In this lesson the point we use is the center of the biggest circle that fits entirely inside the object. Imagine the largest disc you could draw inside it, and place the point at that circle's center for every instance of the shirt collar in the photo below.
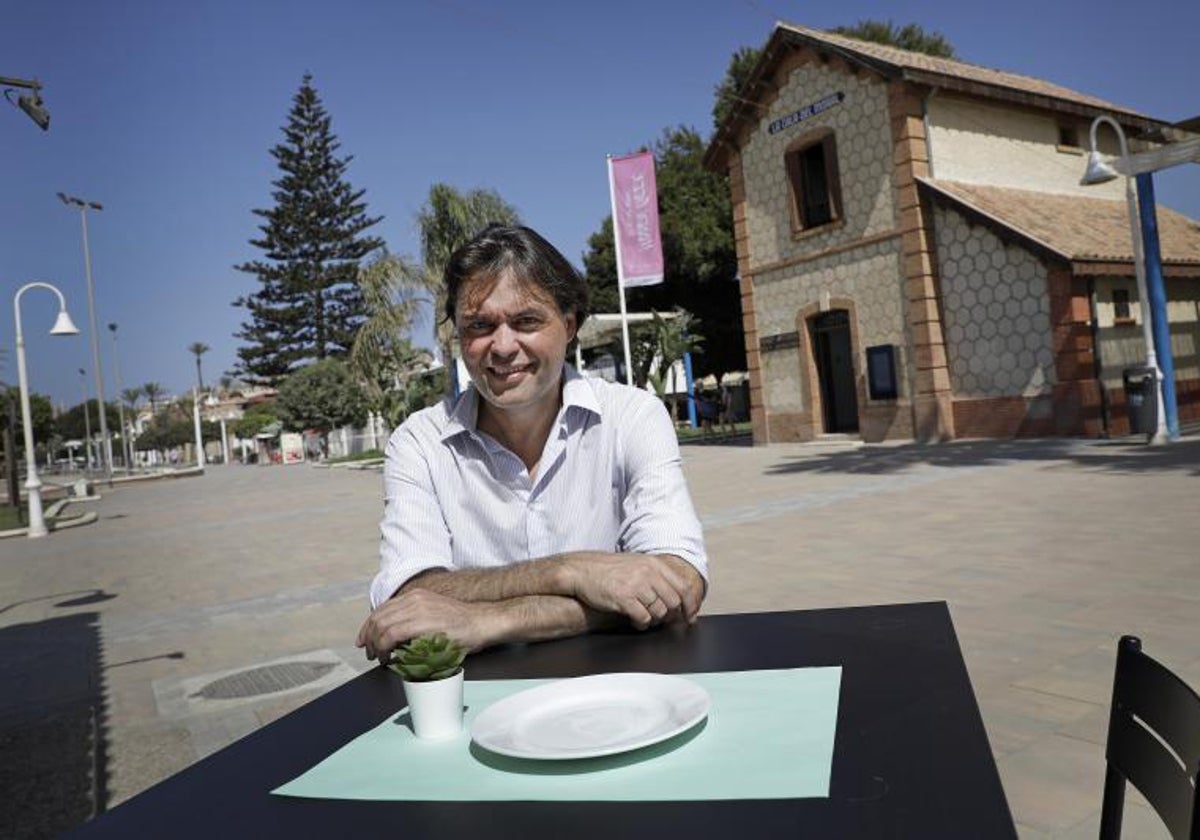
(577, 393)
(464, 416)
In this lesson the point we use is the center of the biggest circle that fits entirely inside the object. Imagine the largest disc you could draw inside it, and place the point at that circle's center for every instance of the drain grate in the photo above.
(265, 680)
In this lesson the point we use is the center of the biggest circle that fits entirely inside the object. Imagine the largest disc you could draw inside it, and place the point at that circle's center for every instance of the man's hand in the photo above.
(417, 612)
(650, 589)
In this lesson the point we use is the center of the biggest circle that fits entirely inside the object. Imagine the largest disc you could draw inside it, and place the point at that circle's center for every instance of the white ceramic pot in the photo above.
(436, 708)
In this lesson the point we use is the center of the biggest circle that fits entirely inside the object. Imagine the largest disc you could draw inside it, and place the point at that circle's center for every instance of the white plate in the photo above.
(586, 717)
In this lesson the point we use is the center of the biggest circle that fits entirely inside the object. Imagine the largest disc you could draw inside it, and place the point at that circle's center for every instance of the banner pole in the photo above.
(612, 198)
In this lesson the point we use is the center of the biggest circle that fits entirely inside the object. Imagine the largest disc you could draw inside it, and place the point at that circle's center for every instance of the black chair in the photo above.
(1154, 742)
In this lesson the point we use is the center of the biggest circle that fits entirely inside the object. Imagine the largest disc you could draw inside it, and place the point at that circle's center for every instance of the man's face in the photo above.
(513, 341)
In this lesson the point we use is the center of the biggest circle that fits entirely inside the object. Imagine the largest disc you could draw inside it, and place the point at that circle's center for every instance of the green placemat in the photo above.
(768, 735)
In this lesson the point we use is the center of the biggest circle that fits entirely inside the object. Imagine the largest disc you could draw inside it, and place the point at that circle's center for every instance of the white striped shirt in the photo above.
(609, 479)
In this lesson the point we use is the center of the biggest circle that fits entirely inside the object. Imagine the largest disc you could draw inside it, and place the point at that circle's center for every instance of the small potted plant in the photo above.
(431, 667)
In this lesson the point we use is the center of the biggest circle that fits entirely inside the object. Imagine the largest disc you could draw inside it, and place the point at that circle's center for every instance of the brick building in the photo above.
(918, 258)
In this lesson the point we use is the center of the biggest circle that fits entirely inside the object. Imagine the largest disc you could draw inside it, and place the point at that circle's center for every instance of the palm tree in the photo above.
(448, 221)
(394, 287)
(130, 397)
(662, 343)
(153, 391)
(392, 290)
(198, 349)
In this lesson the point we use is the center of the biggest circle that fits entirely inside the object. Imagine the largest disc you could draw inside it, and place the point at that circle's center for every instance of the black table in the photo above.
(911, 758)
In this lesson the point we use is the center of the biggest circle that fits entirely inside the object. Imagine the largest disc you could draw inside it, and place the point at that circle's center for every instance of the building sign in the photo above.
(291, 447)
(804, 113)
(779, 341)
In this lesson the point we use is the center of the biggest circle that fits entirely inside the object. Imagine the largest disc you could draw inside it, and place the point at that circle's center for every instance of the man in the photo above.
(539, 504)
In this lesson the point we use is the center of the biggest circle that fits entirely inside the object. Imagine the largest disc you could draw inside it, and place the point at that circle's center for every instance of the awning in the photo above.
(605, 328)
(271, 430)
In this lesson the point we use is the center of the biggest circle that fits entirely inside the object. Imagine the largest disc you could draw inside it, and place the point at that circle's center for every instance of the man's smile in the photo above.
(509, 372)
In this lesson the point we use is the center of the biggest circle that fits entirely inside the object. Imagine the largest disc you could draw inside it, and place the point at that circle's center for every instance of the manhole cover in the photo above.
(265, 680)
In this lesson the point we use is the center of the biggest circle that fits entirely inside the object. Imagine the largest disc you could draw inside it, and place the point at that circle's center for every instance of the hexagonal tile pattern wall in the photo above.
(870, 276)
(781, 378)
(997, 312)
(864, 149)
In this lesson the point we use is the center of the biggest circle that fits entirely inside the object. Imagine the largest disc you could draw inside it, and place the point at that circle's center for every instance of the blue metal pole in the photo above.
(1156, 291)
(691, 389)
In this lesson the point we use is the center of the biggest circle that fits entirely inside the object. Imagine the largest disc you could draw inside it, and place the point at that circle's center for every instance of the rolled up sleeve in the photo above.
(657, 512)
(413, 533)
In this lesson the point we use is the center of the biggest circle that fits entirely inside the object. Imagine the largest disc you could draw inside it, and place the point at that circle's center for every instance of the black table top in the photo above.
(911, 758)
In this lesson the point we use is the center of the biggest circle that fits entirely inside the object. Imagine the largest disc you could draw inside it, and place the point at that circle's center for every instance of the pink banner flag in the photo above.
(635, 219)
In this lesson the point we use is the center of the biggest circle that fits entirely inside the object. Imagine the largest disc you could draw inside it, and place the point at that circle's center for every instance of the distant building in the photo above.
(918, 258)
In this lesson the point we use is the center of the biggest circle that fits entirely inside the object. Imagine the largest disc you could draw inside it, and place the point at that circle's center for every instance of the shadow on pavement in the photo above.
(1112, 456)
(53, 726)
(741, 439)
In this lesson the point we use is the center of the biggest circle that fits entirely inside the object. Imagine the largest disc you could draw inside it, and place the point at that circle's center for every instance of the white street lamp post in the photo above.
(87, 422)
(126, 443)
(224, 444)
(84, 206)
(1096, 174)
(62, 326)
(196, 420)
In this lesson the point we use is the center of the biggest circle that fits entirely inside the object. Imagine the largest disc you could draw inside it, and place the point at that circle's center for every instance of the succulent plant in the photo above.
(428, 658)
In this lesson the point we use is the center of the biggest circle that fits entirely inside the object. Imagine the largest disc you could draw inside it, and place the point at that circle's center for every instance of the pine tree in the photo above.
(309, 306)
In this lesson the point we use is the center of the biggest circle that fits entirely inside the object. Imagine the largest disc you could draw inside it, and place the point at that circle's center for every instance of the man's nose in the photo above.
(504, 341)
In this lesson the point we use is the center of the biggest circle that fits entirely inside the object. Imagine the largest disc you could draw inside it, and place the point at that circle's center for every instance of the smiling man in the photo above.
(538, 504)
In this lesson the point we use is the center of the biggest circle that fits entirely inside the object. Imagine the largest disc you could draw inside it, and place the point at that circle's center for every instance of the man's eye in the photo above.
(477, 327)
(528, 323)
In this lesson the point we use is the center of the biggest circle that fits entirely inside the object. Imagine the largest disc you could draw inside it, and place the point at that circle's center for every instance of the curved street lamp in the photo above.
(63, 325)
(1099, 171)
(1142, 166)
(32, 105)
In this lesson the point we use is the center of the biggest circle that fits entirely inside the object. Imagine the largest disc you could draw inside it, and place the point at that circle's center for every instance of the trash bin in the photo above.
(1140, 399)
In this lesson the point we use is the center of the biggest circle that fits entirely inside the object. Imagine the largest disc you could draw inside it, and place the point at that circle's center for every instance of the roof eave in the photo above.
(1101, 266)
(783, 39)
(942, 81)
(993, 222)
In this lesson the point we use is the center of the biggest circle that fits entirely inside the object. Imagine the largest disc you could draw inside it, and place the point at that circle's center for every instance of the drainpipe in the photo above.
(1097, 365)
(925, 121)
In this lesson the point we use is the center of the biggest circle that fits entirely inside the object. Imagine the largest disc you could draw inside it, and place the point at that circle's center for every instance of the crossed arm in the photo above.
(548, 598)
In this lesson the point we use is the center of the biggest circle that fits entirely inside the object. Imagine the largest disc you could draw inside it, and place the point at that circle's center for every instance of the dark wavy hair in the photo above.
(530, 257)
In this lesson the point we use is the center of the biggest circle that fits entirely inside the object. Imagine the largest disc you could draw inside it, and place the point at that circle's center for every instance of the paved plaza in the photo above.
(196, 610)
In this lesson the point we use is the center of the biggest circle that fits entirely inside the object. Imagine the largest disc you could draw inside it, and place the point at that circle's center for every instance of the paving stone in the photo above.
(1047, 551)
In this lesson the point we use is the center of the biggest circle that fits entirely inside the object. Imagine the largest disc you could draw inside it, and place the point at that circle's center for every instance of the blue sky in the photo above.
(165, 112)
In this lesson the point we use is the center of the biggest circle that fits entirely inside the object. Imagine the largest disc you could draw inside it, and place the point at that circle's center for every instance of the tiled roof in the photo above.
(917, 68)
(905, 60)
(1074, 227)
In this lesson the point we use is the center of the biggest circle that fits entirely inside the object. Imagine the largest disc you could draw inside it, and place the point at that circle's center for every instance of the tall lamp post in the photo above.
(63, 325)
(84, 206)
(126, 443)
(87, 421)
(1148, 265)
